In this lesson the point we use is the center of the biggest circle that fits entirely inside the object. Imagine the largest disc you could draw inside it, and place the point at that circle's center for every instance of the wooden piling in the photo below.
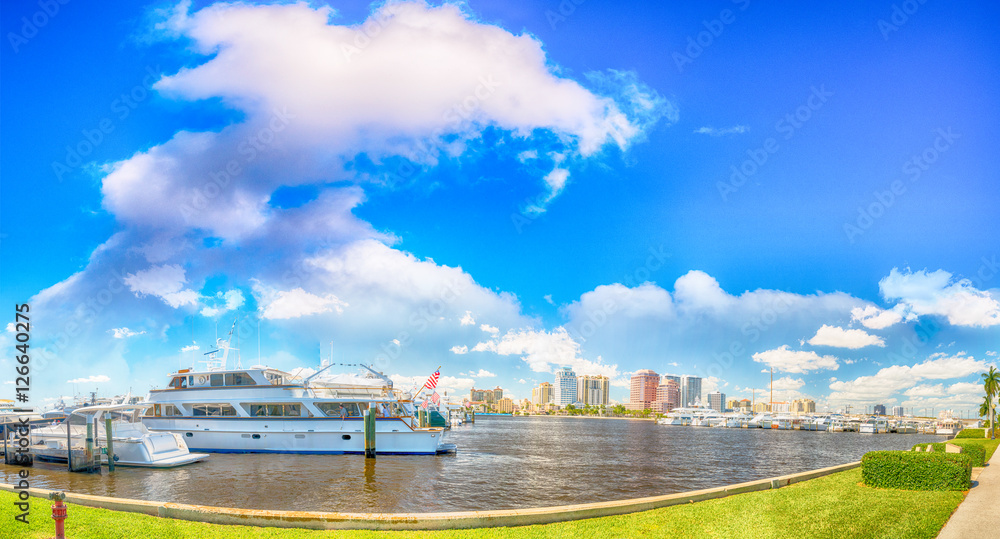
(370, 434)
(111, 447)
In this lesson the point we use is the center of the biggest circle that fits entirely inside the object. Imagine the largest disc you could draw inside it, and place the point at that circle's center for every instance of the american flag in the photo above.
(424, 405)
(432, 382)
(435, 398)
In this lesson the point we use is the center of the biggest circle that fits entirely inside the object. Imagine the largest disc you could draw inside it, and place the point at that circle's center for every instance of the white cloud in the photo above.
(795, 361)
(231, 300)
(468, 320)
(124, 333)
(889, 381)
(481, 374)
(489, 329)
(459, 349)
(788, 383)
(719, 131)
(295, 303)
(522, 381)
(925, 390)
(98, 379)
(165, 282)
(190, 348)
(546, 351)
(936, 293)
(873, 317)
(844, 338)
(548, 299)
(11, 327)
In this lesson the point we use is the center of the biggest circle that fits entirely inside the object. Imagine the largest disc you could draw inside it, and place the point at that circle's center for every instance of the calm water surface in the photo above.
(502, 463)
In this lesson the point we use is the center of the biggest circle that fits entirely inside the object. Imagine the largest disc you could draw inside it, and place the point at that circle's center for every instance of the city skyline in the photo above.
(506, 190)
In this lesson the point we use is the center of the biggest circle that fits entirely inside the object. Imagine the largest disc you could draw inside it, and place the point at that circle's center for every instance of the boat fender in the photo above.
(201, 379)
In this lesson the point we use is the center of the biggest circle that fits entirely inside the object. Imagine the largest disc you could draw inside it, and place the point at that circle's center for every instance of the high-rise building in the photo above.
(879, 409)
(565, 386)
(593, 390)
(505, 405)
(897, 411)
(804, 406)
(716, 401)
(733, 404)
(781, 407)
(690, 390)
(543, 394)
(668, 395)
(497, 394)
(642, 393)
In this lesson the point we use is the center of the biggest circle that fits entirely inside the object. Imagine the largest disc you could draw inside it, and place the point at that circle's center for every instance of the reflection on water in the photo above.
(501, 463)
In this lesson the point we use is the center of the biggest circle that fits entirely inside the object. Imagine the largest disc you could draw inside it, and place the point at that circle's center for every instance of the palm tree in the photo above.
(991, 382)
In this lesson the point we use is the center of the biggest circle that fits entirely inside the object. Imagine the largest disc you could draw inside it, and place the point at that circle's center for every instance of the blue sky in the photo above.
(709, 189)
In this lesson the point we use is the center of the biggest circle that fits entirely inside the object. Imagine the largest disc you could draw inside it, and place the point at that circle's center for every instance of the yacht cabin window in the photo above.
(216, 380)
(239, 379)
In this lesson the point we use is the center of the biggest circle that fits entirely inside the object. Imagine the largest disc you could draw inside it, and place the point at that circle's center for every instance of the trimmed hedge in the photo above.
(976, 433)
(974, 450)
(917, 471)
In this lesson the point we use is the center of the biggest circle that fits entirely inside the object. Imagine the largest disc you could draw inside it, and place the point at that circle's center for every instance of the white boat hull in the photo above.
(307, 435)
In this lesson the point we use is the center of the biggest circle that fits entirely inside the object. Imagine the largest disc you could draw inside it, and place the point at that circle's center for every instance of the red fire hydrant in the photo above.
(59, 513)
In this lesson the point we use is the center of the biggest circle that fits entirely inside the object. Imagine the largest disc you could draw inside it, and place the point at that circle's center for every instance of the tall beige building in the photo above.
(593, 390)
(668, 395)
(543, 394)
(804, 406)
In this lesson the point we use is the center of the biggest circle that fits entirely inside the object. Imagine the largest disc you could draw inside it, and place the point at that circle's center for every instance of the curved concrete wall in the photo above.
(425, 521)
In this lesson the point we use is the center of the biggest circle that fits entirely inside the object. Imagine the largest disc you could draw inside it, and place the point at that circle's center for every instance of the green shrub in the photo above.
(976, 433)
(969, 447)
(917, 471)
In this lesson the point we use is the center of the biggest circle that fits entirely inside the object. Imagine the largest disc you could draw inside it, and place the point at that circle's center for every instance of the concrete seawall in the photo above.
(425, 521)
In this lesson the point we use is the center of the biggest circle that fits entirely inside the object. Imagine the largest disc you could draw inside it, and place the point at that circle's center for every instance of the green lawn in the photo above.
(833, 506)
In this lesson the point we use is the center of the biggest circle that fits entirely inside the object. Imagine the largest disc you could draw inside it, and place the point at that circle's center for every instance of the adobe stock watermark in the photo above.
(418, 321)
(121, 108)
(598, 318)
(914, 168)
(704, 39)
(786, 126)
(454, 116)
(899, 16)
(30, 26)
(366, 33)
(565, 9)
(249, 149)
(752, 330)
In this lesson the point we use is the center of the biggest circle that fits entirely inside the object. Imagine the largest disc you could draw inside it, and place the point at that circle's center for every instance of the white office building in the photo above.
(690, 390)
(717, 401)
(565, 386)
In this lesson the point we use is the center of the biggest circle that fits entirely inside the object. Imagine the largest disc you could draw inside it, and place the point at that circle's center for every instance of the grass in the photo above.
(837, 505)
(989, 445)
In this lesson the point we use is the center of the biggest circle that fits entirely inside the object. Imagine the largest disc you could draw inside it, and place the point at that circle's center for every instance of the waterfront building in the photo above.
(781, 407)
(716, 400)
(565, 386)
(543, 394)
(675, 378)
(505, 405)
(898, 411)
(804, 406)
(642, 392)
(746, 405)
(668, 395)
(733, 404)
(593, 390)
(761, 407)
(690, 390)
(879, 409)
(497, 394)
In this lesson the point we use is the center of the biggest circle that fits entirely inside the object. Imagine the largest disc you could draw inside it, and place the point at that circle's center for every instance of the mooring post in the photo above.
(59, 513)
(370, 433)
(111, 447)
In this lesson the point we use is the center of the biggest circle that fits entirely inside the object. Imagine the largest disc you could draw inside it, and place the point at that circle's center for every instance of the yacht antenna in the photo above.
(258, 340)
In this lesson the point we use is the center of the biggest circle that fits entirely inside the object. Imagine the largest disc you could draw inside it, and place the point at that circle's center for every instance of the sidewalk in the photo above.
(979, 513)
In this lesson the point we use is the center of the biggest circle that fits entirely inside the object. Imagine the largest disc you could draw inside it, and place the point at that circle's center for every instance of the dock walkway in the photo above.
(978, 514)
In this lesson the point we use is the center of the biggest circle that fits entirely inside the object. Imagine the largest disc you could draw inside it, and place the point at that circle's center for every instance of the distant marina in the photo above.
(503, 463)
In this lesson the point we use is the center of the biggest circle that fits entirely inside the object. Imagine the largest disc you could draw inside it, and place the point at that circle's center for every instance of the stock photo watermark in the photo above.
(713, 30)
(899, 16)
(122, 107)
(30, 26)
(886, 198)
(787, 126)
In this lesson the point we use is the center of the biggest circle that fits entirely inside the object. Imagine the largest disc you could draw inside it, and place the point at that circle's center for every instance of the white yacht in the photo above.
(132, 443)
(760, 421)
(265, 410)
(948, 426)
(874, 425)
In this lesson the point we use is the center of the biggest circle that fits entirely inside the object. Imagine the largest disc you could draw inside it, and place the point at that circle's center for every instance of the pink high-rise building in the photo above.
(643, 391)
(668, 396)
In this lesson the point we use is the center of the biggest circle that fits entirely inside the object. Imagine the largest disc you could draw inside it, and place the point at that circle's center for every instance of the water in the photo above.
(502, 463)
